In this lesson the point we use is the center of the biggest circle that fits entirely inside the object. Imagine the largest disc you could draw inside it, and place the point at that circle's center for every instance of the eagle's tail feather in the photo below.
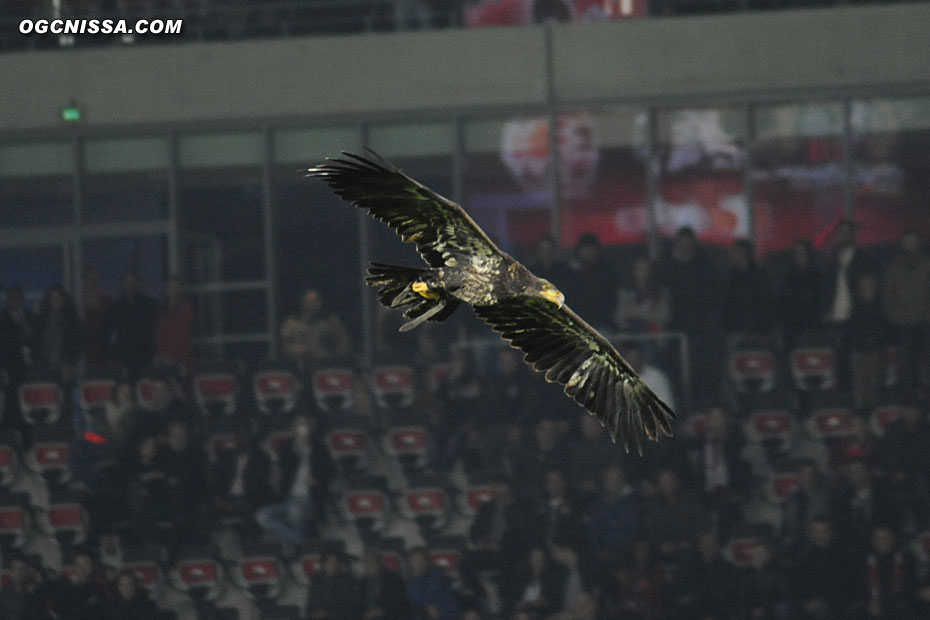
(395, 286)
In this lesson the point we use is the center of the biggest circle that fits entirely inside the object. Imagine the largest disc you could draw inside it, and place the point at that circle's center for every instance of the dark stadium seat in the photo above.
(334, 389)
(393, 386)
(813, 367)
(752, 370)
(66, 517)
(366, 503)
(198, 572)
(259, 570)
(406, 440)
(49, 455)
(349, 442)
(216, 388)
(426, 501)
(96, 388)
(15, 520)
(41, 400)
(276, 389)
(445, 553)
(882, 416)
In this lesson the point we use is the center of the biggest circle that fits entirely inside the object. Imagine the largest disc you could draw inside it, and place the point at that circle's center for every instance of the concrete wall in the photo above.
(754, 54)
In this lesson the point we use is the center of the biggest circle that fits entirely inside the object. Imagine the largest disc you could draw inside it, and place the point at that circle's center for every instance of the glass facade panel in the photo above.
(891, 161)
(126, 154)
(308, 146)
(219, 150)
(36, 201)
(126, 197)
(798, 173)
(112, 257)
(701, 157)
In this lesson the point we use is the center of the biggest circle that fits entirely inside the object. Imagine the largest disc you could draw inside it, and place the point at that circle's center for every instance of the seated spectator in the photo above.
(58, 334)
(591, 453)
(642, 303)
(586, 607)
(115, 419)
(614, 521)
(886, 584)
(23, 596)
(546, 450)
(798, 303)
(87, 595)
(305, 471)
(332, 594)
(578, 576)
(537, 585)
(654, 377)
(763, 593)
(821, 578)
(314, 336)
(637, 586)
(148, 504)
(869, 335)
(186, 468)
(810, 500)
(382, 592)
(861, 504)
(710, 587)
(129, 329)
(902, 453)
(429, 588)
(511, 395)
(559, 515)
(241, 479)
(132, 603)
(673, 517)
(174, 324)
(462, 390)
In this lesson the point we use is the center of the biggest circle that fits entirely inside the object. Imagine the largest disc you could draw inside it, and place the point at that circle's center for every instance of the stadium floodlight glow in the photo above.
(71, 113)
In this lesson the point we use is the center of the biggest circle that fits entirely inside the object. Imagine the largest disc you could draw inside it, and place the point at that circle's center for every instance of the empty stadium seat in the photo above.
(96, 389)
(259, 570)
(445, 553)
(742, 543)
(334, 389)
(276, 389)
(426, 501)
(349, 442)
(216, 388)
(830, 422)
(66, 517)
(781, 481)
(15, 520)
(49, 455)
(478, 490)
(752, 370)
(407, 441)
(198, 572)
(366, 503)
(813, 367)
(882, 416)
(40, 400)
(393, 386)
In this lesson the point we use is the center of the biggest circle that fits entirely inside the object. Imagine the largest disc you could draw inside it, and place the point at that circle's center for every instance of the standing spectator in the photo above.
(747, 304)
(115, 419)
(545, 263)
(332, 594)
(132, 603)
(642, 303)
(868, 335)
(710, 584)
(545, 451)
(591, 453)
(907, 305)
(58, 334)
(242, 479)
(847, 264)
(637, 592)
(17, 336)
(96, 306)
(887, 581)
(148, 501)
(306, 470)
(559, 515)
(538, 585)
(313, 335)
(614, 521)
(429, 588)
(174, 325)
(798, 304)
(821, 575)
(129, 327)
(810, 500)
(673, 517)
(763, 593)
(694, 293)
(382, 592)
(592, 277)
(578, 577)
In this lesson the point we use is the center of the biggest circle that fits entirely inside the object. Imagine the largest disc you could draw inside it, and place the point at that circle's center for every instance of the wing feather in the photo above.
(440, 228)
(559, 343)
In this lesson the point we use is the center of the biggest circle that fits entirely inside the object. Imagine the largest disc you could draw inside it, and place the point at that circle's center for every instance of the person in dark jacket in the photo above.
(129, 328)
(798, 304)
(332, 594)
(429, 588)
(821, 578)
(23, 597)
(538, 585)
(306, 470)
(746, 305)
(241, 478)
(185, 465)
(869, 333)
(86, 595)
(382, 592)
(58, 334)
(132, 603)
(18, 326)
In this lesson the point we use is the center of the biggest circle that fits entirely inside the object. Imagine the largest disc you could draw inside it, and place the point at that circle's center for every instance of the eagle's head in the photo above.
(547, 291)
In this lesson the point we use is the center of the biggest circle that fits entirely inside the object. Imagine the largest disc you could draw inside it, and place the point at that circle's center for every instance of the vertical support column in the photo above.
(268, 241)
(364, 255)
(849, 172)
(73, 251)
(652, 184)
(749, 131)
(174, 246)
(555, 181)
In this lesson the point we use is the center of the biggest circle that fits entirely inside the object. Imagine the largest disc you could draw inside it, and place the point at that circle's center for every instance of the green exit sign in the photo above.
(71, 114)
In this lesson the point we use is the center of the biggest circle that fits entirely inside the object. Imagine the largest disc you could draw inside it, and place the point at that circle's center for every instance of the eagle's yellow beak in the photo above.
(554, 295)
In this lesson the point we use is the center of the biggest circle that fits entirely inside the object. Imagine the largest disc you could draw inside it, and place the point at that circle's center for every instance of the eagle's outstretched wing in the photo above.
(559, 342)
(440, 228)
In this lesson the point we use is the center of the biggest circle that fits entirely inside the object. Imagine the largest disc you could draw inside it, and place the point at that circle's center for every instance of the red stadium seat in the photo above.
(310, 559)
(813, 368)
(830, 422)
(147, 569)
(393, 386)
(198, 573)
(882, 416)
(392, 550)
(221, 436)
(334, 389)
(259, 570)
(752, 370)
(407, 442)
(40, 402)
(365, 503)
(50, 455)
(276, 436)
(445, 553)
(349, 443)
(426, 501)
(9, 461)
(770, 425)
(478, 491)
(145, 392)
(276, 390)
(216, 389)
(14, 520)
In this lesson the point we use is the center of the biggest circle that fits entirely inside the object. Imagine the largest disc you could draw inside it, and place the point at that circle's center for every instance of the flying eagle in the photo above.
(528, 312)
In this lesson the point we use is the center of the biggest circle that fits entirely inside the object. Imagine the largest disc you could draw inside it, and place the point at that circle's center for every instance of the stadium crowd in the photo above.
(562, 524)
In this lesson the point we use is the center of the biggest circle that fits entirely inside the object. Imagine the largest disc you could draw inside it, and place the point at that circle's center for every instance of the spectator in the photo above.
(87, 595)
(642, 303)
(710, 588)
(538, 585)
(462, 390)
(306, 470)
(798, 304)
(861, 505)
(23, 597)
(591, 453)
(654, 377)
(174, 326)
(242, 479)
(429, 588)
(592, 277)
(868, 335)
(17, 336)
(148, 501)
(313, 335)
(96, 306)
(186, 470)
(847, 264)
(559, 515)
(545, 263)
(578, 578)
(887, 581)
(695, 301)
(902, 452)
(637, 591)
(58, 334)
(131, 602)
(810, 500)
(382, 592)
(821, 575)
(614, 521)
(545, 451)
(129, 328)
(763, 593)
(673, 517)
(115, 418)
(747, 304)
(907, 305)
(511, 395)
(332, 594)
